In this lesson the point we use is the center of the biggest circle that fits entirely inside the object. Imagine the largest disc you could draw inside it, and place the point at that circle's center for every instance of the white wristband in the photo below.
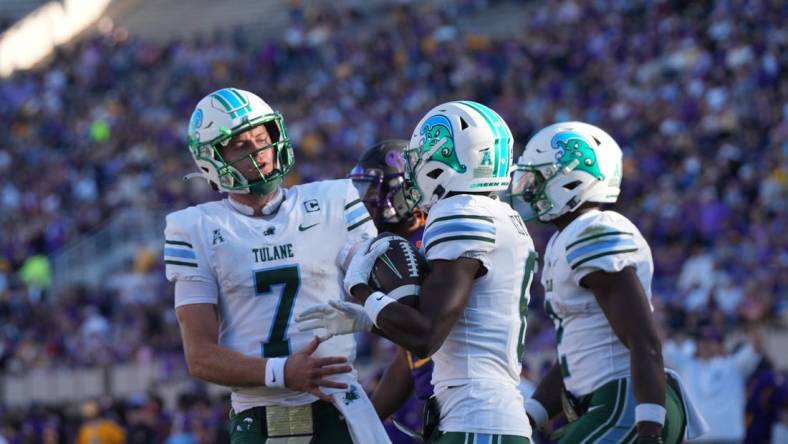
(275, 372)
(650, 413)
(537, 412)
(375, 303)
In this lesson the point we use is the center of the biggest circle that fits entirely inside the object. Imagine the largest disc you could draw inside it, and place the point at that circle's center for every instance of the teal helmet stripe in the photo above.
(222, 101)
(504, 136)
(233, 102)
(231, 98)
(241, 112)
(505, 146)
(242, 99)
(478, 108)
(484, 111)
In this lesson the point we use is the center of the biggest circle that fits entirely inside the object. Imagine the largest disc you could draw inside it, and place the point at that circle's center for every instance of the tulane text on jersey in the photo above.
(272, 253)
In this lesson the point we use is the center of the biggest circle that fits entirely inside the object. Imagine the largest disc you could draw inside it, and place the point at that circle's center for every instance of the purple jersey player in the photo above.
(405, 385)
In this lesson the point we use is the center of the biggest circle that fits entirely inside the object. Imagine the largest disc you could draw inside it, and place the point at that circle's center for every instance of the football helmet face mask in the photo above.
(379, 177)
(224, 114)
(460, 146)
(565, 165)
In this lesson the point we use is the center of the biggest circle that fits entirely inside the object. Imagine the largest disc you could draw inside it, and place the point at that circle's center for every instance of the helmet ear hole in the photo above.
(572, 185)
(435, 173)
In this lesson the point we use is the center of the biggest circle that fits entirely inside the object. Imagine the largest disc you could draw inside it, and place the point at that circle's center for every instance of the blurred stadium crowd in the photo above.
(692, 91)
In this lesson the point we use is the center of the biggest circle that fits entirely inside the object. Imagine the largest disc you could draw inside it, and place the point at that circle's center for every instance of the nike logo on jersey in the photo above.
(304, 228)
(592, 408)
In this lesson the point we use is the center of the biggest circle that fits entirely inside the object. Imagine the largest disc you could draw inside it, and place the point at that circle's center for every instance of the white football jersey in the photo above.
(589, 352)
(268, 269)
(477, 368)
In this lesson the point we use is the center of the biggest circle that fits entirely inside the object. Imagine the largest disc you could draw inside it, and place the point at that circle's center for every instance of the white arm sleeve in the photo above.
(357, 219)
(185, 261)
(601, 247)
(359, 225)
(195, 292)
(455, 231)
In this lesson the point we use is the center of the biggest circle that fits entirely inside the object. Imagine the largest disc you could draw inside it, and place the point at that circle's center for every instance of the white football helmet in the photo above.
(220, 116)
(565, 165)
(458, 146)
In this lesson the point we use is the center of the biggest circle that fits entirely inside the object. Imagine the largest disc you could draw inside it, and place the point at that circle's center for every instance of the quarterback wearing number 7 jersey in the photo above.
(243, 267)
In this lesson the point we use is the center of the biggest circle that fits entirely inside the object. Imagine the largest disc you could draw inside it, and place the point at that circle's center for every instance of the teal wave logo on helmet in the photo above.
(570, 147)
(437, 135)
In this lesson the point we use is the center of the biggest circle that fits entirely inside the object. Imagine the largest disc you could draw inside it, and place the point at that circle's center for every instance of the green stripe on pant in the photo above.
(478, 438)
(610, 417)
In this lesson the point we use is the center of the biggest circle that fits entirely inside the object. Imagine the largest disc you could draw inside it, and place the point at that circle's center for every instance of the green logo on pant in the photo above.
(351, 395)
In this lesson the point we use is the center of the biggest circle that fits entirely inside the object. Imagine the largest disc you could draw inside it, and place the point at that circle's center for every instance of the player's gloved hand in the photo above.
(361, 265)
(336, 317)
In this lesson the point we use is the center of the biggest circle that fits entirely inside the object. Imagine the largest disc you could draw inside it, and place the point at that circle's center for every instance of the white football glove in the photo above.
(361, 265)
(336, 317)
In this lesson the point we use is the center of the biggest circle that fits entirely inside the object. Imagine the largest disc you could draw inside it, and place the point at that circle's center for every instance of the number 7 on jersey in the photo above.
(286, 281)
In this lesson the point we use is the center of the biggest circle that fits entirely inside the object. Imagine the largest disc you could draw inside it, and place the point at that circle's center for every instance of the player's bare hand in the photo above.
(649, 433)
(306, 373)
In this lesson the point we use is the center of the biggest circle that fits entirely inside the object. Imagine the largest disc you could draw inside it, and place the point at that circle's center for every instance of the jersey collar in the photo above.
(585, 215)
(269, 208)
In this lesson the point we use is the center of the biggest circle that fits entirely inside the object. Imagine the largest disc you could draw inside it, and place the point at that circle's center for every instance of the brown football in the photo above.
(399, 271)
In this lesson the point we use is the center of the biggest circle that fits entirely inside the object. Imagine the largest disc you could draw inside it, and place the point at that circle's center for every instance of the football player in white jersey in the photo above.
(472, 304)
(243, 266)
(597, 278)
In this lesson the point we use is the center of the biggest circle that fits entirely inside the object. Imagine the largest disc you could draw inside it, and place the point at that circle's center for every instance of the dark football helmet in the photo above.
(379, 176)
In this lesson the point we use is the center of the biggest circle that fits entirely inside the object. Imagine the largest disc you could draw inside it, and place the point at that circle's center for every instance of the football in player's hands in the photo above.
(400, 270)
